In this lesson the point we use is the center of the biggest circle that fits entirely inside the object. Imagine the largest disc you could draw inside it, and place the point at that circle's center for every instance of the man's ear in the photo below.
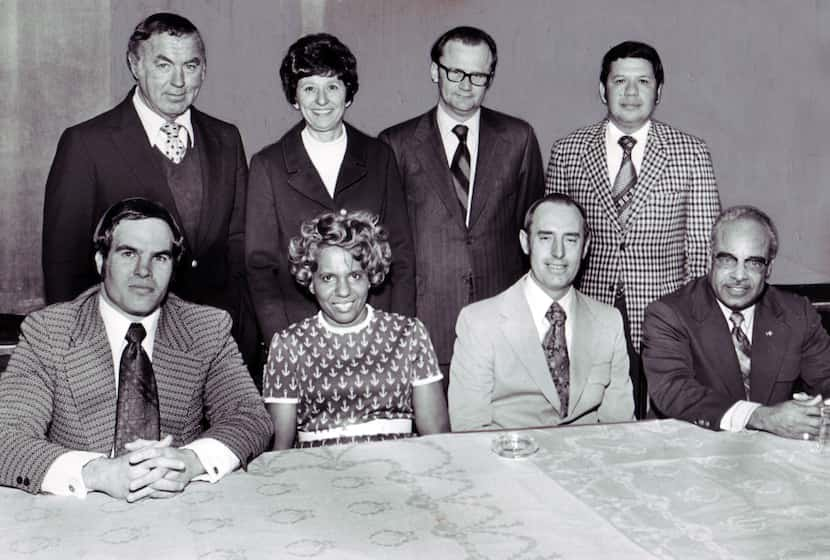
(769, 269)
(311, 287)
(585, 247)
(524, 241)
(659, 95)
(99, 263)
(602, 96)
(433, 72)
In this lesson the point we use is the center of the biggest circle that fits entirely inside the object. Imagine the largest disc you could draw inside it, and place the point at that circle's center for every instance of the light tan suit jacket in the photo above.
(499, 377)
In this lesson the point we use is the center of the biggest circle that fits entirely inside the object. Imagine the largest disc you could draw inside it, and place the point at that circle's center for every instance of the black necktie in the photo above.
(623, 189)
(556, 353)
(460, 168)
(137, 410)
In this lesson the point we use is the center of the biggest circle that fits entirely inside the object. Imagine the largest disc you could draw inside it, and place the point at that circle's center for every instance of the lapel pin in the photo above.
(768, 333)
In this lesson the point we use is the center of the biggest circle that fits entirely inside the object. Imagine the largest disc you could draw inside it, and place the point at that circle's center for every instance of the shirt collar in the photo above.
(613, 133)
(446, 122)
(540, 301)
(117, 324)
(152, 121)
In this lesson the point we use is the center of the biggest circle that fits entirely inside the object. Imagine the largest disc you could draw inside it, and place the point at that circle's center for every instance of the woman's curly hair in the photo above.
(319, 54)
(357, 232)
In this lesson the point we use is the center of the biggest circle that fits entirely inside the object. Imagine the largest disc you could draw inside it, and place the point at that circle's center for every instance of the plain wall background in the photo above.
(748, 76)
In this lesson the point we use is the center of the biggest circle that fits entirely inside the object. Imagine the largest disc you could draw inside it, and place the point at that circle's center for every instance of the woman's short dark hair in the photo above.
(134, 209)
(632, 49)
(357, 232)
(319, 54)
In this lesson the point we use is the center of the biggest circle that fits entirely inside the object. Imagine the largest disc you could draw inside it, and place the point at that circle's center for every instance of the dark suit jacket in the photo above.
(690, 361)
(285, 189)
(455, 265)
(58, 393)
(107, 159)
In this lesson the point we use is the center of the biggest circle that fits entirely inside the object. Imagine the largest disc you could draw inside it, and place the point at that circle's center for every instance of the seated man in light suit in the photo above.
(725, 351)
(541, 353)
(127, 389)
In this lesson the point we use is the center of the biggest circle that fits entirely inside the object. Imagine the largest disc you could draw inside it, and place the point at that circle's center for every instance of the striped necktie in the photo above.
(460, 168)
(743, 349)
(623, 189)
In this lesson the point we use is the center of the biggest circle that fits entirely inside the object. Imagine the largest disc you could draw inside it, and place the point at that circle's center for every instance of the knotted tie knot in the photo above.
(737, 319)
(173, 146)
(460, 130)
(555, 314)
(135, 333)
(627, 144)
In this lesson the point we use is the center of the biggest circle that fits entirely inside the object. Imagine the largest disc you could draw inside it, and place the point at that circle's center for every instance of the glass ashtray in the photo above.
(513, 445)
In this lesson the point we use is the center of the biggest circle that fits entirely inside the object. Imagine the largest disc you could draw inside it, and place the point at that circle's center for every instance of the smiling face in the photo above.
(341, 287)
(556, 245)
(136, 273)
(169, 70)
(462, 99)
(322, 102)
(738, 274)
(631, 93)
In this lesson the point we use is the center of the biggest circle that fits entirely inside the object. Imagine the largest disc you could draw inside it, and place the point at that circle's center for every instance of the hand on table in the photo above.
(792, 419)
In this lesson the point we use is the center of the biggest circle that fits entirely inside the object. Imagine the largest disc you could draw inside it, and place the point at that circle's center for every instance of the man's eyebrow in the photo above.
(125, 247)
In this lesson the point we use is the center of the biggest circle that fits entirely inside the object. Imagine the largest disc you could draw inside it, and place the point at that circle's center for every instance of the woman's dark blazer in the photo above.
(284, 189)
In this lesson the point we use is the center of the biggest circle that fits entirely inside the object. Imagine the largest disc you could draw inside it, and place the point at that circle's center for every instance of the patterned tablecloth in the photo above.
(647, 490)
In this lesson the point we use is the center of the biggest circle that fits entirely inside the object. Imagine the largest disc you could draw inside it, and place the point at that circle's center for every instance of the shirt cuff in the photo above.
(65, 475)
(215, 456)
(736, 418)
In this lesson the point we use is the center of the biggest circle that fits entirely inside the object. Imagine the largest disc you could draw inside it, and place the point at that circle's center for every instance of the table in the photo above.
(654, 489)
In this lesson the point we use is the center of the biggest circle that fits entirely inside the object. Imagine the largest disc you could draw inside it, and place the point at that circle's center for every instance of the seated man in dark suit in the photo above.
(726, 350)
(128, 389)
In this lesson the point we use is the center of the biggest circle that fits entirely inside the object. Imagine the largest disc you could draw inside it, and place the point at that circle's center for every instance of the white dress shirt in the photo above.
(614, 152)
(736, 418)
(445, 125)
(327, 157)
(65, 475)
(152, 123)
(539, 302)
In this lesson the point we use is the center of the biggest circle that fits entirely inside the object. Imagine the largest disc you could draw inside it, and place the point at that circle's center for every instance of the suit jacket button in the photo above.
(26, 481)
(72, 488)
(19, 480)
(194, 263)
(622, 246)
(215, 470)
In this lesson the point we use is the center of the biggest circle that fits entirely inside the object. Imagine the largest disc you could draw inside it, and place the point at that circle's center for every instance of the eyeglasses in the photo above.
(476, 78)
(729, 262)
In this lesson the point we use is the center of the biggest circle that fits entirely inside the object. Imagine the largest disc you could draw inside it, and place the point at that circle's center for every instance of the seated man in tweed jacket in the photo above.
(84, 407)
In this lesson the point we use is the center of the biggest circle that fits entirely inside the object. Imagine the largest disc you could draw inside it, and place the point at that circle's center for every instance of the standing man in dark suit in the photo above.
(469, 174)
(649, 190)
(127, 389)
(726, 350)
(155, 144)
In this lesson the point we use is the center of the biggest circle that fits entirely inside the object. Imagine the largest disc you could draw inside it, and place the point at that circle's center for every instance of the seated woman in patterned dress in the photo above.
(349, 373)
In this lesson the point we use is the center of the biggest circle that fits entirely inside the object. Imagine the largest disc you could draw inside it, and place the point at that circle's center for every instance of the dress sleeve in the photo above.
(280, 382)
(424, 364)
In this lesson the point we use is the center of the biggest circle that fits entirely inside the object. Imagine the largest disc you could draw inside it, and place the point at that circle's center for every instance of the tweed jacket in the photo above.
(690, 361)
(665, 241)
(285, 189)
(58, 392)
(499, 378)
(107, 159)
(454, 264)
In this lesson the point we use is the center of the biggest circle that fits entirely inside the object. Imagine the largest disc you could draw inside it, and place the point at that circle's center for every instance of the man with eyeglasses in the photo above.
(469, 174)
(726, 350)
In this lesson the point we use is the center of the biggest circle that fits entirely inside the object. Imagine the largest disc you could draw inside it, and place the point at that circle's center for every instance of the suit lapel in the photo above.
(302, 175)
(429, 150)
(654, 162)
(353, 168)
(490, 145)
(90, 374)
(582, 339)
(716, 340)
(595, 165)
(770, 336)
(211, 157)
(177, 370)
(521, 335)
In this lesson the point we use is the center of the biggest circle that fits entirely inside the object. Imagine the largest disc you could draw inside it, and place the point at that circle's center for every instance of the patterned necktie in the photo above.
(174, 148)
(460, 168)
(556, 353)
(137, 410)
(743, 349)
(623, 190)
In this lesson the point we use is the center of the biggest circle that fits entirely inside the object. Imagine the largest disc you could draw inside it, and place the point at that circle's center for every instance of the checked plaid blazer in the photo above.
(58, 392)
(665, 242)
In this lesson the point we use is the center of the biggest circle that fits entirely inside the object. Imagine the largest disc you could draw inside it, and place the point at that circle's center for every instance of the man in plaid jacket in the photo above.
(649, 191)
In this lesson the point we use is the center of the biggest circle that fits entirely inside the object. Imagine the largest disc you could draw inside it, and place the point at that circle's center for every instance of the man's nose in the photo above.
(178, 77)
(142, 267)
(557, 249)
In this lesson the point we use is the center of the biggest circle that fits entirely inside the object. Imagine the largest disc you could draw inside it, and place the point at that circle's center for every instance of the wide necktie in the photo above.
(556, 353)
(743, 349)
(623, 189)
(460, 168)
(137, 410)
(173, 148)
